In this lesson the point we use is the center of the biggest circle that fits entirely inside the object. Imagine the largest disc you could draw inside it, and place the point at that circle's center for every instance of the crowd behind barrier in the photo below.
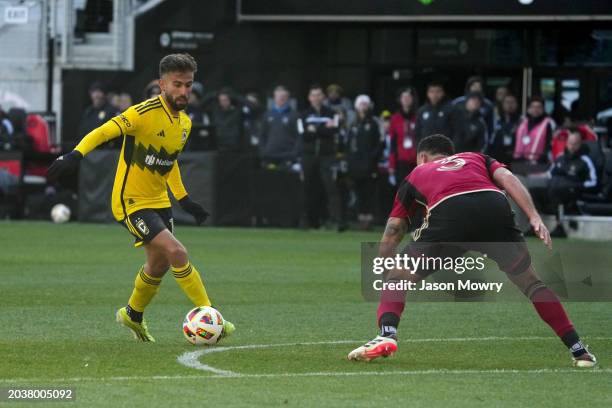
(337, 162)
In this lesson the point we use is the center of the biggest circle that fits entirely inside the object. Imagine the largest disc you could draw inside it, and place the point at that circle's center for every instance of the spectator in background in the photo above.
(402, 133)
(19, 139)
(385, 191)
(500, 94)
(152, 89)
(252, 110)
(560, 136)
(113, 99)
(470, 130)
(501, 145)
(476, 84)
(363, 151)
(572, 173)
(278, 138)
(227, 117)
(194, 108)
(6, 132)
(318, 131)
(436, 115)
(124, 101)
(98, 113)
(533, 136)
(336, 101)
(385, 129)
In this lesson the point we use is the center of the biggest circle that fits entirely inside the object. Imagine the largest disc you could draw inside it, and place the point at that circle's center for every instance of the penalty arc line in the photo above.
(220, 374)
(192, 359)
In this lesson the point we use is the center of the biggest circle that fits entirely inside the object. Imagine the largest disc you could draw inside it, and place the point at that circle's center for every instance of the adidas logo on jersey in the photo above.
(161, 134)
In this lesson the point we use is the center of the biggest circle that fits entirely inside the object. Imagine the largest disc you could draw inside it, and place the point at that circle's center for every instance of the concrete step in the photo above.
(588, 227)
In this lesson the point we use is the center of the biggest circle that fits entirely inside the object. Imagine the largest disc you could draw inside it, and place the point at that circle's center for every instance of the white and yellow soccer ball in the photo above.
(60, 213)
(203, 326)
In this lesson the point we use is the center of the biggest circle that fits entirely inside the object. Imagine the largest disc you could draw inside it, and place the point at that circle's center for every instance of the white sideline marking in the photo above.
(313, 374)
(190, 359)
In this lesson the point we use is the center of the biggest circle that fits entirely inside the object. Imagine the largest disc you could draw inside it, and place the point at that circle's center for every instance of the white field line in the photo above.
(191, 359)
(69, 380)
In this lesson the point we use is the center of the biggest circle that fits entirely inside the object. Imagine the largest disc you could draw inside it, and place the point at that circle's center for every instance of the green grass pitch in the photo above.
(295, 297)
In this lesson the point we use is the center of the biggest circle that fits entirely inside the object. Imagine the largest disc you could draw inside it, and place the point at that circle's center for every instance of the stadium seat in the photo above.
(38, 129)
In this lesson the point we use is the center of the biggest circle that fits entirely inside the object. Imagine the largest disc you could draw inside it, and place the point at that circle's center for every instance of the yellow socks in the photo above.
(145, 287)
(190, 282)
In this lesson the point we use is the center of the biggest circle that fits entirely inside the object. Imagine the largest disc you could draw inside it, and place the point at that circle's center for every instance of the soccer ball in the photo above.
(203, 326)
(60, 213)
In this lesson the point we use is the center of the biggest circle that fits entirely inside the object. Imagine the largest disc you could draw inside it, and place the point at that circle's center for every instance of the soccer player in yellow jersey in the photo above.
(154, 133)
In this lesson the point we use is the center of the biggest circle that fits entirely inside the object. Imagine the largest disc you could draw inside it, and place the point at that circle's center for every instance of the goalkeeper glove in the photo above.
(195, 209)
(64, 164)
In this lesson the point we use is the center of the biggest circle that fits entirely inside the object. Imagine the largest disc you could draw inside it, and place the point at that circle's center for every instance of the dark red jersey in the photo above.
(431, 183)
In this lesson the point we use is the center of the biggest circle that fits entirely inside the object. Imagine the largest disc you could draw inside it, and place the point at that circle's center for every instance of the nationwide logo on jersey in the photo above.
(155, 161)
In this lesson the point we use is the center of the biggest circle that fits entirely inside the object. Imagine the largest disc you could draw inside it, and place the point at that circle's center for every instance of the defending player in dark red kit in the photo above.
(463, 202)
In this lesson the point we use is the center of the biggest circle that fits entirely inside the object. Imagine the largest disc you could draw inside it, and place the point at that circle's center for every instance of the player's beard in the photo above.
(176, 104)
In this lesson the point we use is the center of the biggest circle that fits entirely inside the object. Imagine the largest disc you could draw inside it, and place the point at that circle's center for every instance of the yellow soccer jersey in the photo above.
(152, 141)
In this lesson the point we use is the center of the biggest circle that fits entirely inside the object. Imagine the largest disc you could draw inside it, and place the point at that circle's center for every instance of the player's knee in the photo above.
(177, 254)
(519, 266)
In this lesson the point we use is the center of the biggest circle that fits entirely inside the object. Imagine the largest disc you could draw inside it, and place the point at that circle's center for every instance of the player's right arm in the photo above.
(115, 127)
(395, 230)
(397, 224)
(517, 191)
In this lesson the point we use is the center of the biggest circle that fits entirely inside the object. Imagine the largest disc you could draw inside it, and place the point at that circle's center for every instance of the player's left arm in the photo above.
(507, 181)
(175, 183)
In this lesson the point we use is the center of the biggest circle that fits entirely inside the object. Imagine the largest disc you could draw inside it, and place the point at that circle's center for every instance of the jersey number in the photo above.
(451, 163)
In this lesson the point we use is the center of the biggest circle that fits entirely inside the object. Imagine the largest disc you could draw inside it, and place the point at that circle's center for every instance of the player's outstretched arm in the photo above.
(517, 191)
(393, 235)
(69, 162)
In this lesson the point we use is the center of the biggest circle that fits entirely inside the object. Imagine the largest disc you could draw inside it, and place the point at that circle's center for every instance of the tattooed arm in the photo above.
(393, 235)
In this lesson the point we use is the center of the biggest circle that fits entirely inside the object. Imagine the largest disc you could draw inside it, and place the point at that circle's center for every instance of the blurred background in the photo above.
(313, 109)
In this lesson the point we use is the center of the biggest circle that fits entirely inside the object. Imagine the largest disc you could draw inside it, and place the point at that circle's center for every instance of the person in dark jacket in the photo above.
(487, 109)
(435, 116)
(501, 145)
(194, 108)
(571, 174)
(470, 129)
(97, 113)
(364, 150)
(226, 117)
(318, 128)
(278, 140)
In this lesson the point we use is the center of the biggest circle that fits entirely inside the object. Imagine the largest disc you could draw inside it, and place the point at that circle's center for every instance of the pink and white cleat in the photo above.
(586, 360)
(378, 347)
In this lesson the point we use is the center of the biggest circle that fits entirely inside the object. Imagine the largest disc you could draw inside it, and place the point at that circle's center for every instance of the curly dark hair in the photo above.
(177, 63)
